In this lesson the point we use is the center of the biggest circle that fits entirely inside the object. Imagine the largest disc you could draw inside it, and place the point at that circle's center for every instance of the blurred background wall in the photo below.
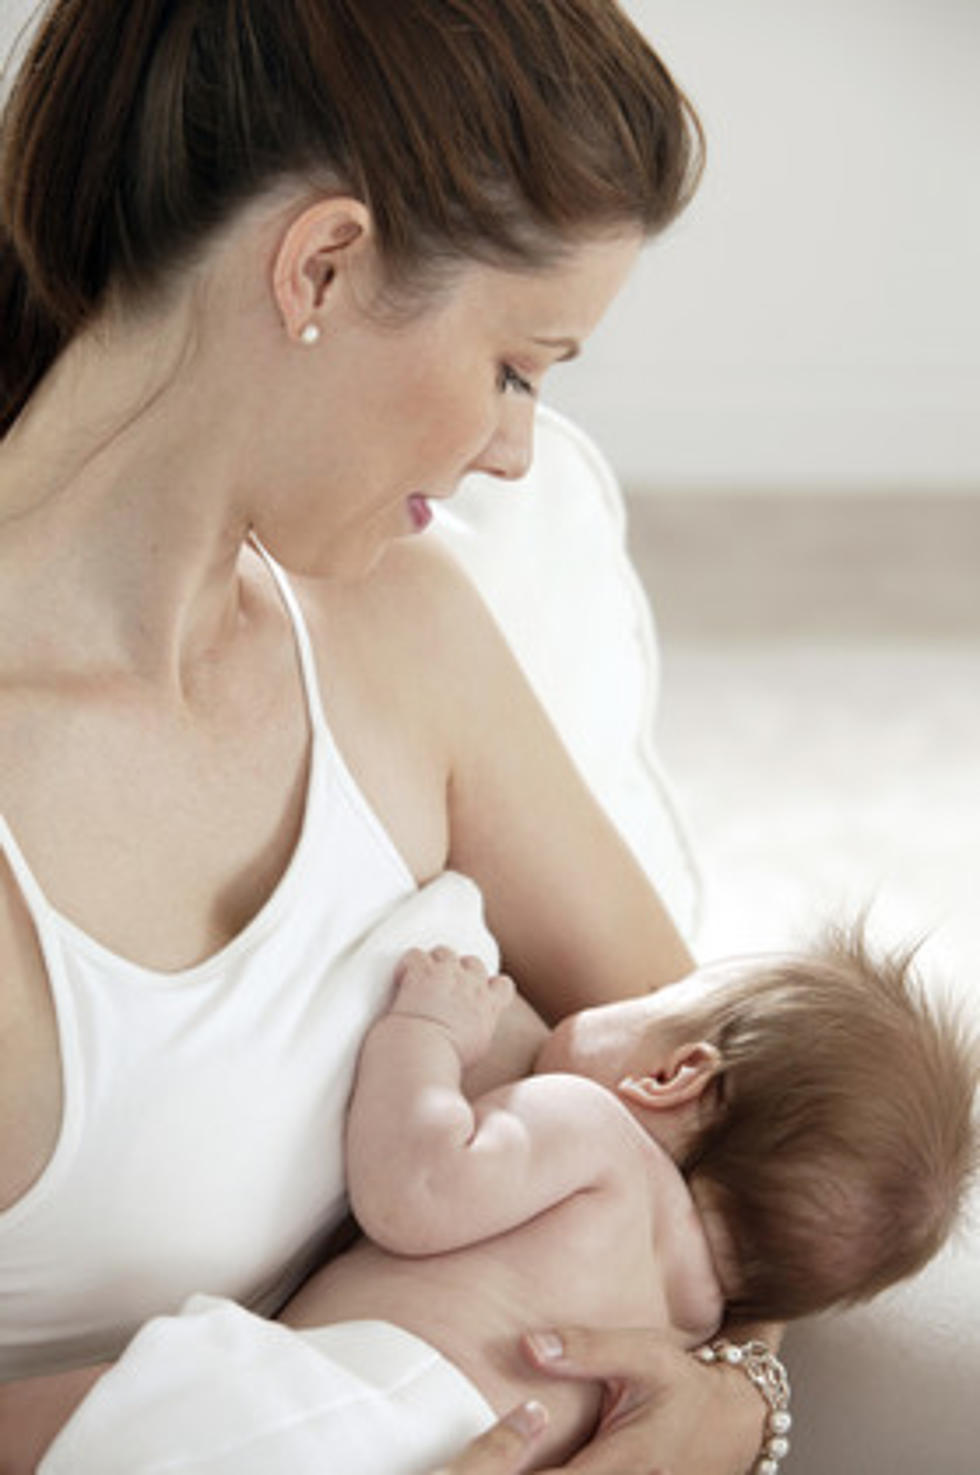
(814, 321)
(14, 18)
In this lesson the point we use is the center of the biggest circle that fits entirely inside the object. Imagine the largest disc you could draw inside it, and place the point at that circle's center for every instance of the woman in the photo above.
(274, 274)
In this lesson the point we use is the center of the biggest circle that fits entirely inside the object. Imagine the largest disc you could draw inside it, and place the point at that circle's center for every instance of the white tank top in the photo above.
(201, 1141)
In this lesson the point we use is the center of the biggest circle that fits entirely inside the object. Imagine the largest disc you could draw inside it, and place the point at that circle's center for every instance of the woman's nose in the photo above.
(509, 452)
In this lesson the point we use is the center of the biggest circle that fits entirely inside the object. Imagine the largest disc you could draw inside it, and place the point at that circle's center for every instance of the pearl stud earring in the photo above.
(310, 336)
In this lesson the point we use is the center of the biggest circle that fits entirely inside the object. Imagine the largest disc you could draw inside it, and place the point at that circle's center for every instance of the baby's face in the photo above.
(597, 1042)
(630, 1036)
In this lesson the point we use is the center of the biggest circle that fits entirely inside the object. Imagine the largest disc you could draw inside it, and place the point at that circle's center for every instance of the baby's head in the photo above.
(816, 1103)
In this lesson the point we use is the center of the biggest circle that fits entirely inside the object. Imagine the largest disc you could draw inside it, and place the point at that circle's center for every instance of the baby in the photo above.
(767, 1138)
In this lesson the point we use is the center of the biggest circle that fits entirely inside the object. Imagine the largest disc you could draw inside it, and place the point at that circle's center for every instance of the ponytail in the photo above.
(488, 129)
(66, 131)
(31, 339)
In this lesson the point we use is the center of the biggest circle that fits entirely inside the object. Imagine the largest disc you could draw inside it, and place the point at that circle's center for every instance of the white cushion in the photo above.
(549, 556)
(892, 1388)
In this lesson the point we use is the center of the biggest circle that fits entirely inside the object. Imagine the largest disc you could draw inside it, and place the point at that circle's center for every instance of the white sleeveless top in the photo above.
(201, 1140)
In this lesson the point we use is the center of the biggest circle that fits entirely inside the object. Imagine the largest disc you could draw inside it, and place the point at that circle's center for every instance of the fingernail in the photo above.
(546, 1346)
(529, 1419)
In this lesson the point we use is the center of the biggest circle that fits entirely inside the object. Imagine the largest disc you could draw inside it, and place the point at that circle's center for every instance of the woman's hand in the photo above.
(506, 1448)
(663, 1412)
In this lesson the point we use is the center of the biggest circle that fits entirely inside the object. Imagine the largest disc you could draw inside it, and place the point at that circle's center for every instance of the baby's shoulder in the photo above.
(581, 1106)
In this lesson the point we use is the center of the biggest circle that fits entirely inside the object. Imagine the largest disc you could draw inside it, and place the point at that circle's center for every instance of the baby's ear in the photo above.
(679, 1080)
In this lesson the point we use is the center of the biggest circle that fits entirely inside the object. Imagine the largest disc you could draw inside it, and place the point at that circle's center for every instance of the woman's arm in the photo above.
(715, 1428)
(34, 1410)
(577, 919)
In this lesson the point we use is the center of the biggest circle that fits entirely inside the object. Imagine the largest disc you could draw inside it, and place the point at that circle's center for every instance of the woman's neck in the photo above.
(122, 504)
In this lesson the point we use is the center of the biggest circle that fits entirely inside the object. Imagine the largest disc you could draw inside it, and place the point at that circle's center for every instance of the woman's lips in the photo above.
(420, 510)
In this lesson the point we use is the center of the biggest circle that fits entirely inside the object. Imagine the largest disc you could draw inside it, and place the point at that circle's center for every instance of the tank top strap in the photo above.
(328, 764)
(37, 903)
(304, 645)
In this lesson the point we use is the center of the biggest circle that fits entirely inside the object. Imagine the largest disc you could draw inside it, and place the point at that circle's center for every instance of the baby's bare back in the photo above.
(630, 1253)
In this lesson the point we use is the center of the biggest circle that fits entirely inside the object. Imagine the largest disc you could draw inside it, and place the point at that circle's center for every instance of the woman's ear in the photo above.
(326, 239)
(679, 1080)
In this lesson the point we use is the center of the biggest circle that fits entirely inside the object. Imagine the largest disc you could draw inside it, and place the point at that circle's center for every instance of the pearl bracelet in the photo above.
(764, 1369)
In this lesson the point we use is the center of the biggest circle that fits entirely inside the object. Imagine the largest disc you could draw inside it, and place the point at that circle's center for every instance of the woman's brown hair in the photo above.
(488, 129)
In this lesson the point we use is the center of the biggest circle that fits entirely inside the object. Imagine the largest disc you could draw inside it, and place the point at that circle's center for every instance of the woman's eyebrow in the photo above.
(570, 347)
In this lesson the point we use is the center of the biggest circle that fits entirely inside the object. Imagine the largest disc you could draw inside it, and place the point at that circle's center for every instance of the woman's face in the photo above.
(393, 416)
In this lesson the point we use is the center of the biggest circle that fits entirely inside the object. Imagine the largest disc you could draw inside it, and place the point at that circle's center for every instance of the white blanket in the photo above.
(216, 1390)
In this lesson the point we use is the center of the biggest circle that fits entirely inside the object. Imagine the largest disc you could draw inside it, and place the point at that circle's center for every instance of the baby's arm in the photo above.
(429, 1171)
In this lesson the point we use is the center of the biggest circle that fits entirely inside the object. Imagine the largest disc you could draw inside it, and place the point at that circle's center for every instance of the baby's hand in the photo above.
(456, 993)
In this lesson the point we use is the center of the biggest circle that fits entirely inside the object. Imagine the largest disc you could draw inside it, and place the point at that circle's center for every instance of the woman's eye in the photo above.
(511, 382)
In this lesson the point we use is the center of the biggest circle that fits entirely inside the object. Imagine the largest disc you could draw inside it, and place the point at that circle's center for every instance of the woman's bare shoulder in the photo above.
(392, 653)
(417, 590)
(416, 624)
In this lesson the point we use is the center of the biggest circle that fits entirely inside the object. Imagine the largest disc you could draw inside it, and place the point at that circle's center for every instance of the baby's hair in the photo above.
(845, 1142)
(493, 130)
